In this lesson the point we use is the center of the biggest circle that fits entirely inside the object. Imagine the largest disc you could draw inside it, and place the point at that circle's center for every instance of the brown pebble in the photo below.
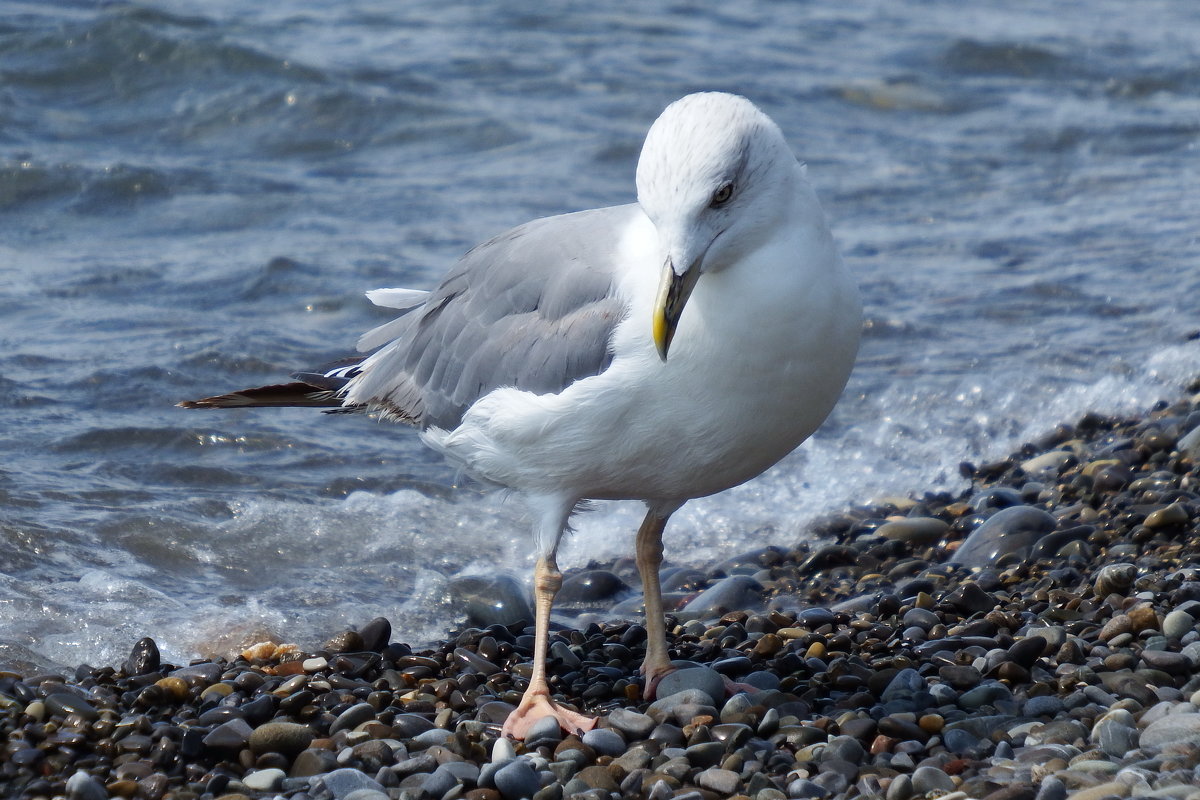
(176, 688)
(931, 723)
(1142, 618)
(1115, 627)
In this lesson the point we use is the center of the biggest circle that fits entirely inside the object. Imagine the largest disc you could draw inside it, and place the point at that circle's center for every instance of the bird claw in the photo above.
(535, 708)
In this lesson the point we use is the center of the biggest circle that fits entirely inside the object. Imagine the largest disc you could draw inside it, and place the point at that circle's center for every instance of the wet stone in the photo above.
(700, 679)
(728, 594)
(516, 780)
(143, 658)
(62, 703)
(488, 600)
(1008, 532)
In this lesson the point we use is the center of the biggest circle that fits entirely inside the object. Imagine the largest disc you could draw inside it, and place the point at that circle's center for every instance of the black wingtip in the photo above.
(283, 395)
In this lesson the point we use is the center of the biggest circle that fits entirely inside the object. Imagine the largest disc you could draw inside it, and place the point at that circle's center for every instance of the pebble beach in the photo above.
(1034, 636)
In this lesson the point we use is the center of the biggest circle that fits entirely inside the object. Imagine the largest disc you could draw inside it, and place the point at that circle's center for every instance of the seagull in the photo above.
(660, 351)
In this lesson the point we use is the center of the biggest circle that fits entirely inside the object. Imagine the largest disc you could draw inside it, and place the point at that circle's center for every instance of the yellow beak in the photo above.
(673, 294)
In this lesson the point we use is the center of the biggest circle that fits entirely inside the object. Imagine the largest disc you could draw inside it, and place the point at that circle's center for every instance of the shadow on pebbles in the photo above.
(1033, 637)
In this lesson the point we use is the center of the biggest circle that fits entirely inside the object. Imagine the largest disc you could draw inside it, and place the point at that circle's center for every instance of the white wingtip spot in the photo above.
(397, 298)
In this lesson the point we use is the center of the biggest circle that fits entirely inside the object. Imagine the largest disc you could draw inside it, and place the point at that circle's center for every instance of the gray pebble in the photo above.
(703, 679)
(341, 782)
(1010, 531)
(605, 742)
(516, 780)
(440, 781)
(900, 788)
(920, 618)
(1052, 788)
(545, 729)
(803, 788)
(352, 717)
(264, 780)
(631, 723)
(927, 779)
(721, 781)
(1178, 624)
(368, 794)
(1173, 728)
(231, 735)
(82, 786)
(1044, 706)
(984, 694)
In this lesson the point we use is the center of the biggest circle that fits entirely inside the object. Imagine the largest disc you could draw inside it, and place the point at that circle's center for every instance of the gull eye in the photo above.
(721, 196)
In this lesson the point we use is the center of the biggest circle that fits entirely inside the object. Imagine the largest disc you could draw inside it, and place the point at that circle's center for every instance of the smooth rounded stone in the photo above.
(1173, 728)
(1167, 516)
(927, 779)
(63, 703)
(369, 794)
(970, 598)
(142, 659)
(1052, 788)
(376, 634)
(914, 530)
(921, 618)
(406, 726)
(288, 738)
(605, 741)
(705, 754)
(312, 762)
(984, 694)
(477, 662)
(231, 735)
(1117, 625)
(631, 723)
(1055, 636)
(802, 788)
(562, 652)
(1114, 579)
(1043, 706)
(816, 617)
(722, 781)
(1115, 732)
(516, 780)
(490, 599)
(1010, 531)
(995, 497)
(591, 589)
(959, 742)
(906, 683)
(545, 731)
(438, 782)
(1047, 466)
(436, 736)
(263, 780)
(761, 679)
(82, 786)
(352, 717)
(598, 778)
(1168, 662)
(1178, 624)
(901, 788)
(1027, 651)
(1100, 791)
(503, 751)
(341, 782)
(700, 679)
(737, 592)
(834, 783)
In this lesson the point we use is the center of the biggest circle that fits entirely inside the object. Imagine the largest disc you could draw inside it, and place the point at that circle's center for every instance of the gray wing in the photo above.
(532, 309)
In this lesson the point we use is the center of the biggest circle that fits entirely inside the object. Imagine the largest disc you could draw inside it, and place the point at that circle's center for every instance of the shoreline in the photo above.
(1059, 659)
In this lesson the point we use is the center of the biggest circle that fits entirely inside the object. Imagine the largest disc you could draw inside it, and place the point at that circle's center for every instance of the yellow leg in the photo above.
(536, 703)
(649, 558)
